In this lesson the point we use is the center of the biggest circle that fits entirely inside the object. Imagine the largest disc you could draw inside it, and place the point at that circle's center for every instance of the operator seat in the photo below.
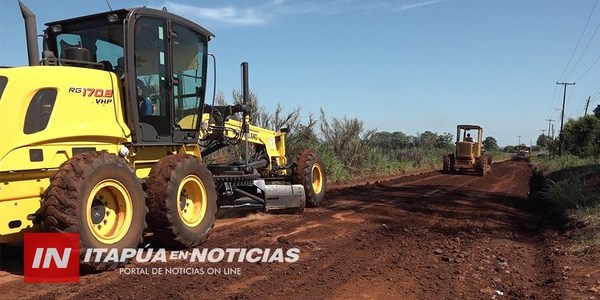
(120, 68)
(107, 65)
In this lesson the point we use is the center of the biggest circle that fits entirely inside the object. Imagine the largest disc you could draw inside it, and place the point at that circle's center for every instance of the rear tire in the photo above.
(309, 171)
(481, 166)
(446, 164)
(452, 164)
(97, 195)
(182, 199)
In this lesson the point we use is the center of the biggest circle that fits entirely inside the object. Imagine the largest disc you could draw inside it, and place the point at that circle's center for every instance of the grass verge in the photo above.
(571, 192)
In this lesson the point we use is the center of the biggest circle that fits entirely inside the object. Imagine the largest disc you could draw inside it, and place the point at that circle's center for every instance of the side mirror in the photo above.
(284, 130)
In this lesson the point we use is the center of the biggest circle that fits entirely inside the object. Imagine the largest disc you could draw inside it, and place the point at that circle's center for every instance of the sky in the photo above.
(398, 65)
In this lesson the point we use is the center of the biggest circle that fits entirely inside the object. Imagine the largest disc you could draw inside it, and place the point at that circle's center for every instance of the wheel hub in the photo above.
(98, 211)
(192, 200)
(183, 199)
(109, 212)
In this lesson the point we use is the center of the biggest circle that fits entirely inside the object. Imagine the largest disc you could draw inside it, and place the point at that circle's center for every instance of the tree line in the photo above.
(581, 137)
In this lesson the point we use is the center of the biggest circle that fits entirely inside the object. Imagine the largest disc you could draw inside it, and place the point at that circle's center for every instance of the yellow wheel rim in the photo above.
(317, 179)
(109, 211)
(192, 200)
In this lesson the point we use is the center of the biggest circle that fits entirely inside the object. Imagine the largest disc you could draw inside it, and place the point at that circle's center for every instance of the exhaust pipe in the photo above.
(245, 98)
(245, 85)
(31, 35)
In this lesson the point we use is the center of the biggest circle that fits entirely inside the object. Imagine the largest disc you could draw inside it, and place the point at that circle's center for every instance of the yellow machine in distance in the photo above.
(469, 153)
(102, 136)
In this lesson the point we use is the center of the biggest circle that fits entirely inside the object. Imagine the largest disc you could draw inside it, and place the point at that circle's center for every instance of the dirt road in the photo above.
(431, 236)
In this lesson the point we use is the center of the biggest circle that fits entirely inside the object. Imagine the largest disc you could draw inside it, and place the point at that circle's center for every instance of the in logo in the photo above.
(51, 257)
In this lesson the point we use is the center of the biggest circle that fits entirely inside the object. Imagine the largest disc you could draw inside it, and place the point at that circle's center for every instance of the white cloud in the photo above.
(268, 10)
(419, 4)
(227, 14)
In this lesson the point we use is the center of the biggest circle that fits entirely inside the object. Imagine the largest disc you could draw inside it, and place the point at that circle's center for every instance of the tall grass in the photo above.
(571, 195)
(573, 191)
(572, 182)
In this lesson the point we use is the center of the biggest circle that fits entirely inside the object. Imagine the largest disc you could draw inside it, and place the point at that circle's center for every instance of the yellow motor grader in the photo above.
(105, 136)
(469, 153)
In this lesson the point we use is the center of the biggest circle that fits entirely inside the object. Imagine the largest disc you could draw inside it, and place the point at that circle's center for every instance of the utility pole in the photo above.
(562, 115)
(549, 121)
(552, 131)
(543, 131)
(587, 103)
(519, 147)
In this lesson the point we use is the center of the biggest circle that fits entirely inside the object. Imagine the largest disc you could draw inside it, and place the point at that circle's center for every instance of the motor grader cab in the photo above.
(469, 153)
(523, 154)
(105, 136)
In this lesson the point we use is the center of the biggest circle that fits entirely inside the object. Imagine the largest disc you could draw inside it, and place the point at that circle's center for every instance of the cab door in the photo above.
(169, 63)
(189, 53)
(151, 87)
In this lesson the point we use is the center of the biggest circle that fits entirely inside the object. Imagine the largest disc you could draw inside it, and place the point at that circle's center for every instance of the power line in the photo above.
(575, 108)
(579, 41)
(575, 111)
(588, 69)
(593, 100)
(596, 93)
(584, 50)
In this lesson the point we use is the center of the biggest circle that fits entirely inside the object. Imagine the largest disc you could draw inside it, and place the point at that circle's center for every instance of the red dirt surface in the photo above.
(428, 236)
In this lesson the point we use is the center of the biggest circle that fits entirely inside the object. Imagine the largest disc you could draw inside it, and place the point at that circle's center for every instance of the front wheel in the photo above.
(310, 172)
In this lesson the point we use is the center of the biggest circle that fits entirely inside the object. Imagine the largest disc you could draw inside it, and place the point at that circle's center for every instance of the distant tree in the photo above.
(582, 136)
(597, 111)
(490, 143)
(427, 139)
(430, 139)
(389, 140)
(508, 149)
(444, 141)
(382, 139)
(401, 140)
(543, 140)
